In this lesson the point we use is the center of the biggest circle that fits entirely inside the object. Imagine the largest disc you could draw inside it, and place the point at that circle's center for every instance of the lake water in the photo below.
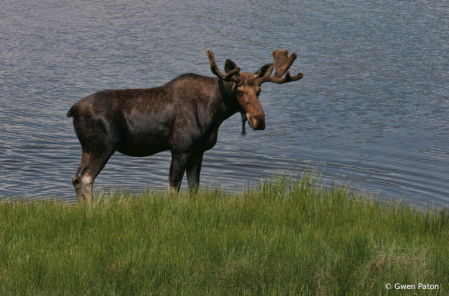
(372, 108)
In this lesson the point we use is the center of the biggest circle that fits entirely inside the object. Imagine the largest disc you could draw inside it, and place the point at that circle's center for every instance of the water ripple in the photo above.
(372, 108)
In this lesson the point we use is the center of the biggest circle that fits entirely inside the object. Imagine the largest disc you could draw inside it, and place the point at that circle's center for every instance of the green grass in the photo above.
(289, 236)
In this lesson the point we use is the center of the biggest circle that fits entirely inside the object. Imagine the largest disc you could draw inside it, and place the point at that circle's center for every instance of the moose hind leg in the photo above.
(85, 176)
(76, 181)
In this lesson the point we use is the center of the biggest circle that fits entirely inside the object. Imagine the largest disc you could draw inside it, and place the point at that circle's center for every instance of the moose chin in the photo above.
(182, 116)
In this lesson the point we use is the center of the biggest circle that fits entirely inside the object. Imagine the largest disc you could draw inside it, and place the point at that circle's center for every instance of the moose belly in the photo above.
(143, 144)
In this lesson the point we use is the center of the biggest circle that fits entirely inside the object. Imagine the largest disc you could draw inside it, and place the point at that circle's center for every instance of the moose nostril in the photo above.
(260, 116)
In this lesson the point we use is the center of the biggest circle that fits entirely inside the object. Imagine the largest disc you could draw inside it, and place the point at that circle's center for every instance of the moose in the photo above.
(182, 116)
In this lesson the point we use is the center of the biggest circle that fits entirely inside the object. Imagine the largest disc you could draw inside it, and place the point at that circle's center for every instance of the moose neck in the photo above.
(229, 102)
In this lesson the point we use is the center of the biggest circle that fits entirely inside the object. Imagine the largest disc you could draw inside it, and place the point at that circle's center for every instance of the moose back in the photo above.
(182, 116)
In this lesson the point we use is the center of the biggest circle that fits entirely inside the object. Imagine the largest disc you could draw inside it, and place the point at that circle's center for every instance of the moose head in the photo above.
(247, 86)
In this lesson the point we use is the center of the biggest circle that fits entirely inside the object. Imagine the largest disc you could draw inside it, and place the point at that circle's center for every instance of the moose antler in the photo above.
(282, 62)
(213, 66)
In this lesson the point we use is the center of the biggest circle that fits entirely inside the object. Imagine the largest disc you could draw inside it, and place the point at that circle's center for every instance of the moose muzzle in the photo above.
(256, 121)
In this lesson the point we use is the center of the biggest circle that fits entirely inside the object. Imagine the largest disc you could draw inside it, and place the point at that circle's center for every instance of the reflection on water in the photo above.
(372, 107)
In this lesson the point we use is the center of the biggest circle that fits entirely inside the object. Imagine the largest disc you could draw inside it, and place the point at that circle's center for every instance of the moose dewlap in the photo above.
(182, 116)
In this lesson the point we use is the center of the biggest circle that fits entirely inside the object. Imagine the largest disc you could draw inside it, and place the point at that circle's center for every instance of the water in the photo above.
(372, 107)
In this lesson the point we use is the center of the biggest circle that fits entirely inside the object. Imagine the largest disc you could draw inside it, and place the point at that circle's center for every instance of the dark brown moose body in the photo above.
(182, 116)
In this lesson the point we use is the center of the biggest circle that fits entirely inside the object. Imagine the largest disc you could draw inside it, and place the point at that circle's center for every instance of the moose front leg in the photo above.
(193, 170)
(177, 169)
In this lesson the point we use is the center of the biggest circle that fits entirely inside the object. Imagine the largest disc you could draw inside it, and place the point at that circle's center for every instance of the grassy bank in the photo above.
(286, 237)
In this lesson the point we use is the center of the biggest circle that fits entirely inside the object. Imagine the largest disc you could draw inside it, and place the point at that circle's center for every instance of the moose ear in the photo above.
(229, 66)
(265, 70)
